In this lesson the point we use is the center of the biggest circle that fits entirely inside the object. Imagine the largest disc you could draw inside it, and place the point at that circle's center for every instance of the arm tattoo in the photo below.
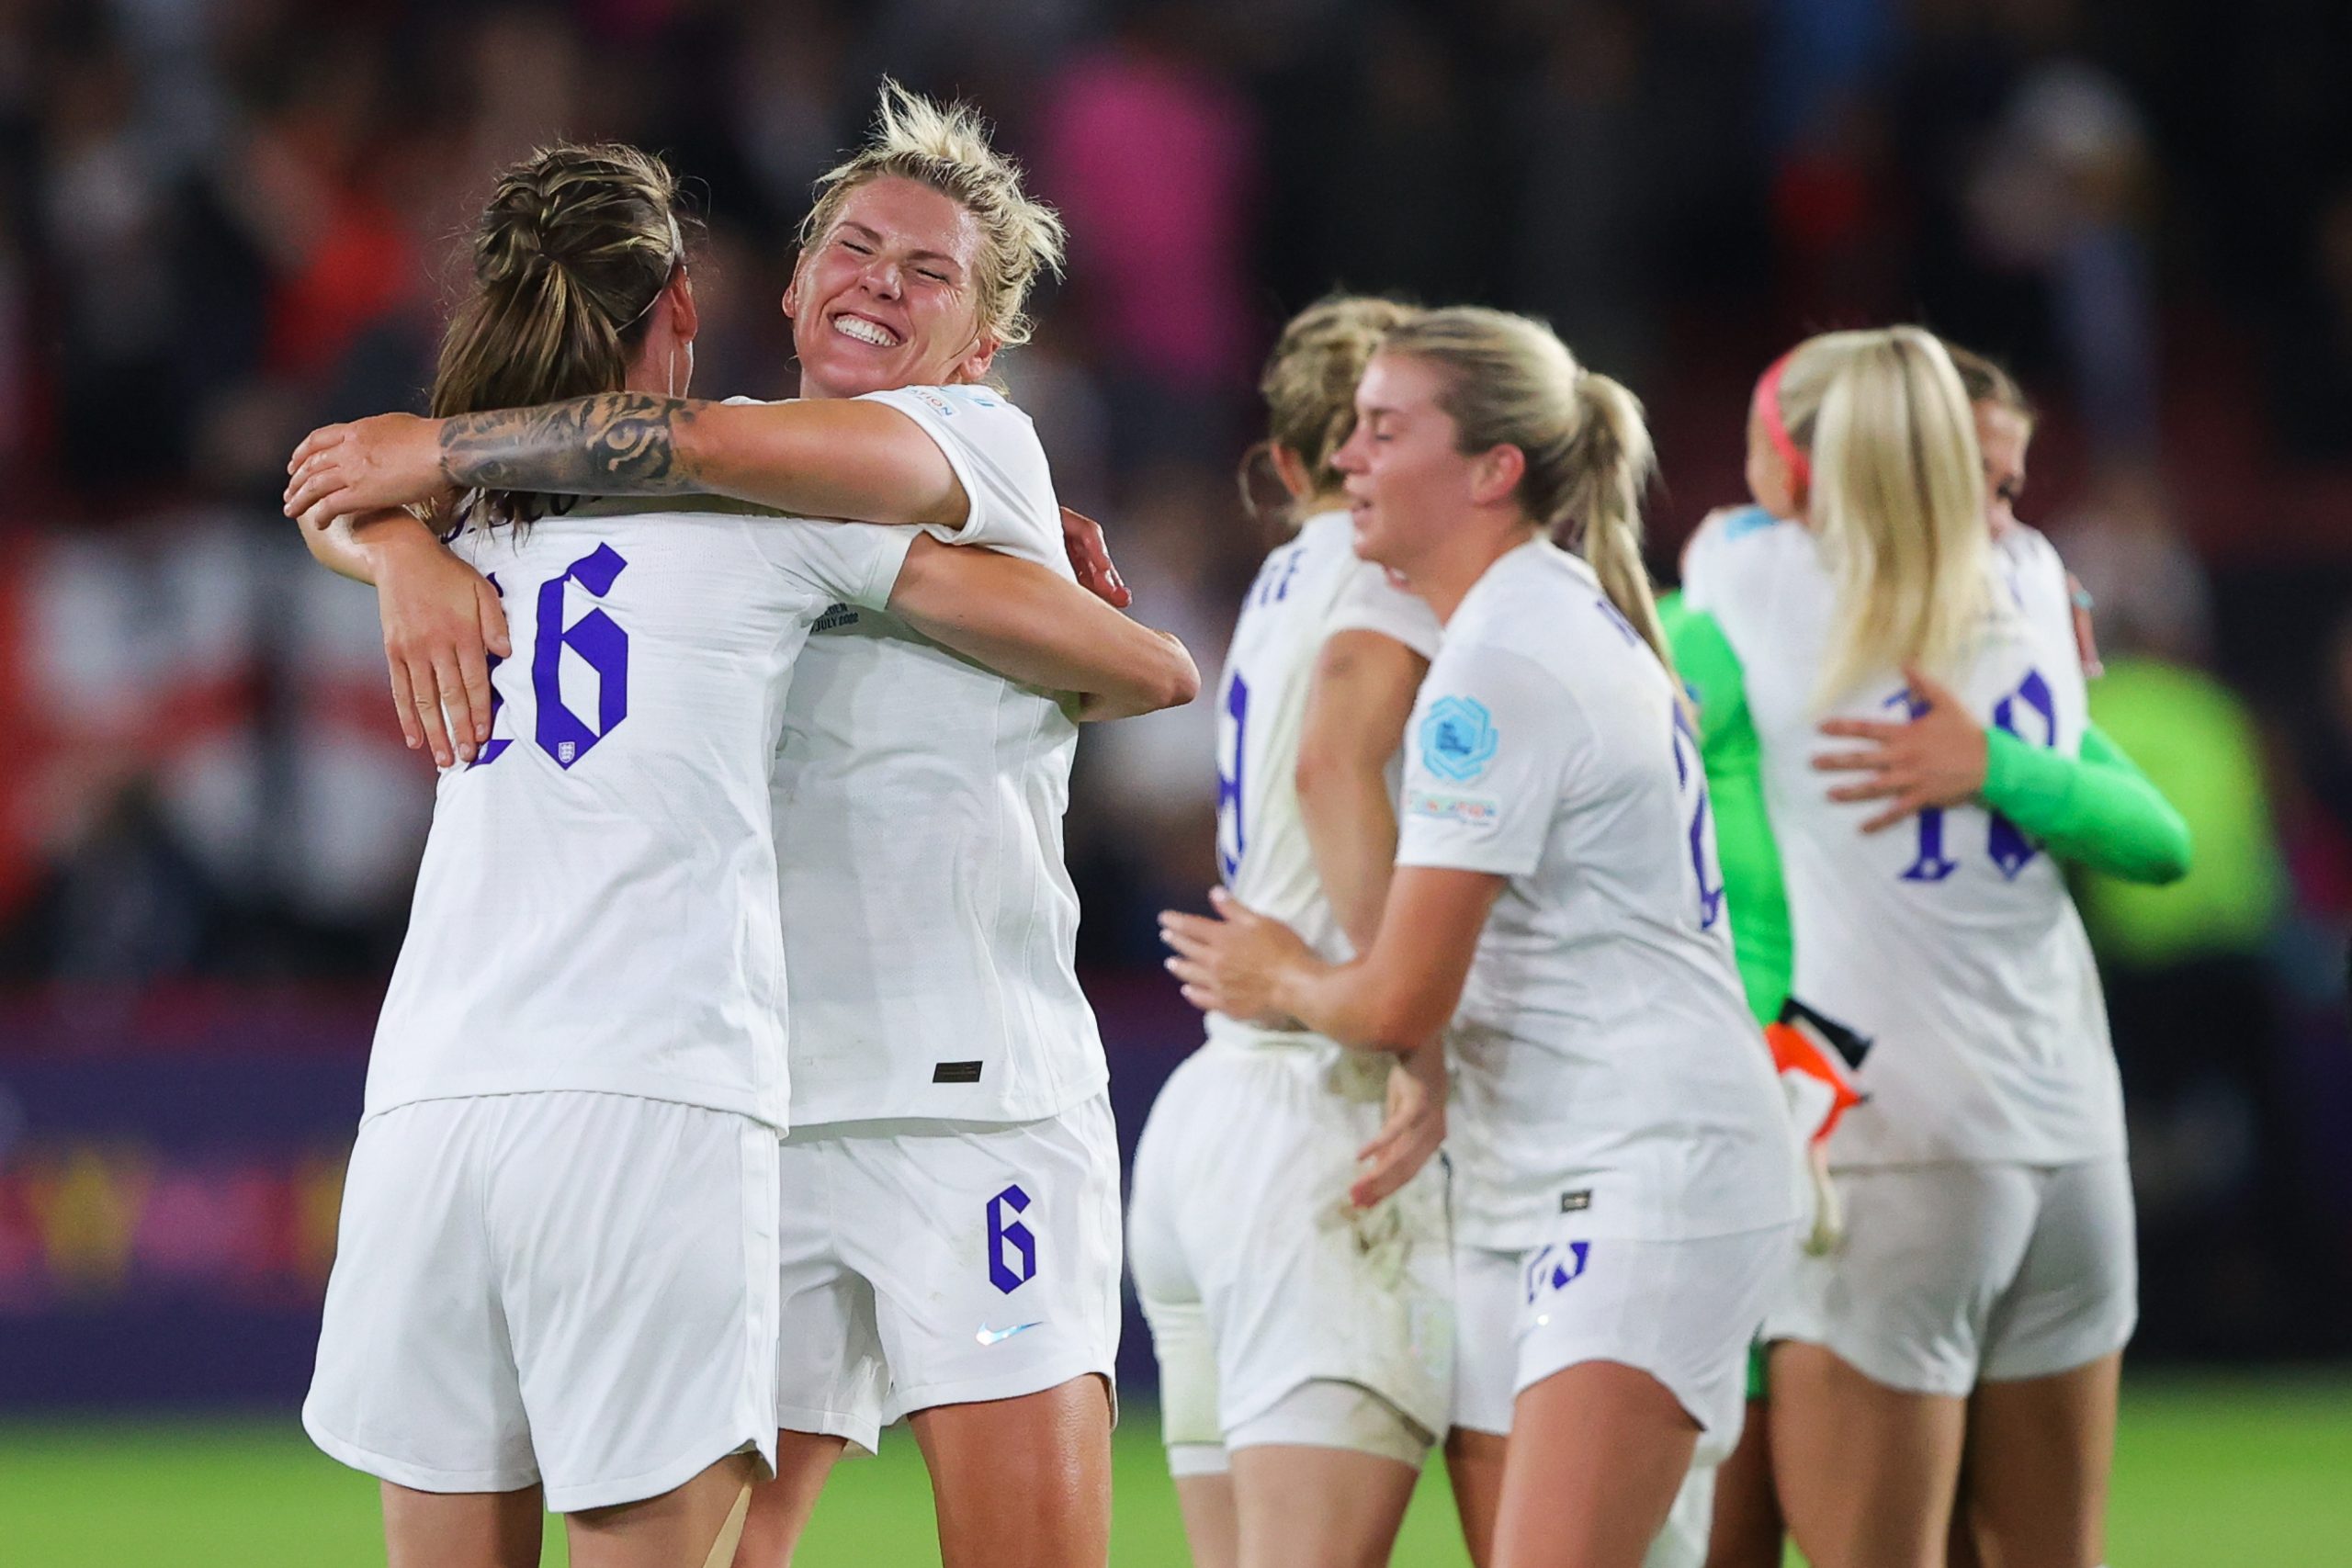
(612, 443)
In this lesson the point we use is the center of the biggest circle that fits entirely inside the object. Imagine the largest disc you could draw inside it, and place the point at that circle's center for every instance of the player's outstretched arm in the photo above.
(336, 547)
(441, 622)
(1039, 628)
(2098, 809)
(831, 457)
(1393, 997)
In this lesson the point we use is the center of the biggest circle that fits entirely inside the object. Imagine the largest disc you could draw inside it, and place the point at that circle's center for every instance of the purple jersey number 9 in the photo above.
(1235, 707)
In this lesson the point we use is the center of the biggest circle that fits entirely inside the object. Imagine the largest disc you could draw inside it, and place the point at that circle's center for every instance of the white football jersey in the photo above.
(1307, 590)
(597, 909)
(1949, 940)
(930, 922)
(1606, 1062)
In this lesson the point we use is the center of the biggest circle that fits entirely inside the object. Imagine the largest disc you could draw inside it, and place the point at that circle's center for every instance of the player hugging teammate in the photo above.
(581, 1248)
(1879, 629)
(735, 1094)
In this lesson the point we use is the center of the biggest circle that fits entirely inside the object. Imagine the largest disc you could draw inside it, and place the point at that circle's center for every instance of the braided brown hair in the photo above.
(576, 245)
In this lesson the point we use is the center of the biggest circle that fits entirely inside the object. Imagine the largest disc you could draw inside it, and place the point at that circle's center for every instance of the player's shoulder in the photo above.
(1533, 606)
(1733, 546)
(2028, 549)
(2031, 593)
(1328, 533)
(965, 408)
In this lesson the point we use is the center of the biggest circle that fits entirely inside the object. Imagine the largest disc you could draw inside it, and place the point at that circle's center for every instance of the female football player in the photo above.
(964, 1271)
(1986, 1234)
(2097, 808)
(1625, 1168)
(1305, 1357)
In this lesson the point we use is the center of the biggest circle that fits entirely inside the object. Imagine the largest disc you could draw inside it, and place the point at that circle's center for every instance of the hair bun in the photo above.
(512, 243)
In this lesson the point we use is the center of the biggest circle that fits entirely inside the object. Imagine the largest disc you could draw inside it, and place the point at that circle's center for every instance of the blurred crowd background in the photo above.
(224, 221)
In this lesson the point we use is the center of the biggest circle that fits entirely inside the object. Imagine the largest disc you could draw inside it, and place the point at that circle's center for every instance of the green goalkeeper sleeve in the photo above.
(1745, 848)
(2098, 810)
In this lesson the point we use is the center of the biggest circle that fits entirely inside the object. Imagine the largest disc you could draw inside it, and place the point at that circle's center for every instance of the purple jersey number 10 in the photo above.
(2005, 841)
(599, 642)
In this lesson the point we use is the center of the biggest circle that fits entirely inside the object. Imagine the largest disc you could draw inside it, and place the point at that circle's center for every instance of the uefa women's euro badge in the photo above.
(1458, 739)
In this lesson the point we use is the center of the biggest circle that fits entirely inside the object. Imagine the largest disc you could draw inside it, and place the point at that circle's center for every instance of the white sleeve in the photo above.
(856, 563)
(1369, 602)
(1488, 759)
(994, 450)
(1702, 560)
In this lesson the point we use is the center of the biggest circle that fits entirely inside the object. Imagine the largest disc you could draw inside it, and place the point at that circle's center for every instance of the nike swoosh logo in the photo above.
(998, 1336)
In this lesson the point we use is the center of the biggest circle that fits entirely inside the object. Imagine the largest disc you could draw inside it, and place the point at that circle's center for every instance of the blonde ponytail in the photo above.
(1897, 499)
(1611, 463)
(1587, 454)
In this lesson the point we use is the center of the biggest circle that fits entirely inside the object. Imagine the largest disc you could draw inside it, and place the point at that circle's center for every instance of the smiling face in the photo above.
(886, 296)
(1407, 482)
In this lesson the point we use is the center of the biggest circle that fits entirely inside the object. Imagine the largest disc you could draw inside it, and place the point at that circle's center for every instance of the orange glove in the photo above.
(1816, 1059)
(1800, 1052)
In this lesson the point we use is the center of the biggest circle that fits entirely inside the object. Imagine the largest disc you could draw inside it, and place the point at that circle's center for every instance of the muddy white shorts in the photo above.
(569, 1288)
(1682, 1311)
(1257, 1274)
(928, 1262)
(1954, 1274)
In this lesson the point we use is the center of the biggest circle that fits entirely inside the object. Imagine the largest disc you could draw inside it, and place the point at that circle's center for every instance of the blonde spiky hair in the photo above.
(947, 147)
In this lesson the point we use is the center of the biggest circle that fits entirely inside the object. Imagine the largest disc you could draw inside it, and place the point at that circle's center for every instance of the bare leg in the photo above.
(1596, 1453)
(1314, 1507)
(693, 1526)
(1867, 1472)
(1474, 1460)
(1748, 1528)
(1023, 1483)
(1960, 1546)
(780, 1508)
(2039, 1454)
(462, 1529)
(1212, 1527)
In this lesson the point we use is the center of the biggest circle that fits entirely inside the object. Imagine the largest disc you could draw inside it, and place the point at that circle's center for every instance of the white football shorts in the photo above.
(929, 1262)
(1952, 1275)
(562, 1287)
(1682, 1311)
(1259, 1276)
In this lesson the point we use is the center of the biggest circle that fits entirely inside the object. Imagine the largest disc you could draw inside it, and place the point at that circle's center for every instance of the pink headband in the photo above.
(1766, 408)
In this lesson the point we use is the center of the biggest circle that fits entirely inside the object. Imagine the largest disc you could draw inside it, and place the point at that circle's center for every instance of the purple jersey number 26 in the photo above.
(595, 638)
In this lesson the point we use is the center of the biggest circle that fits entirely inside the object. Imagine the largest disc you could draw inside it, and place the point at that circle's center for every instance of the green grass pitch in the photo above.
(2208, 1472)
